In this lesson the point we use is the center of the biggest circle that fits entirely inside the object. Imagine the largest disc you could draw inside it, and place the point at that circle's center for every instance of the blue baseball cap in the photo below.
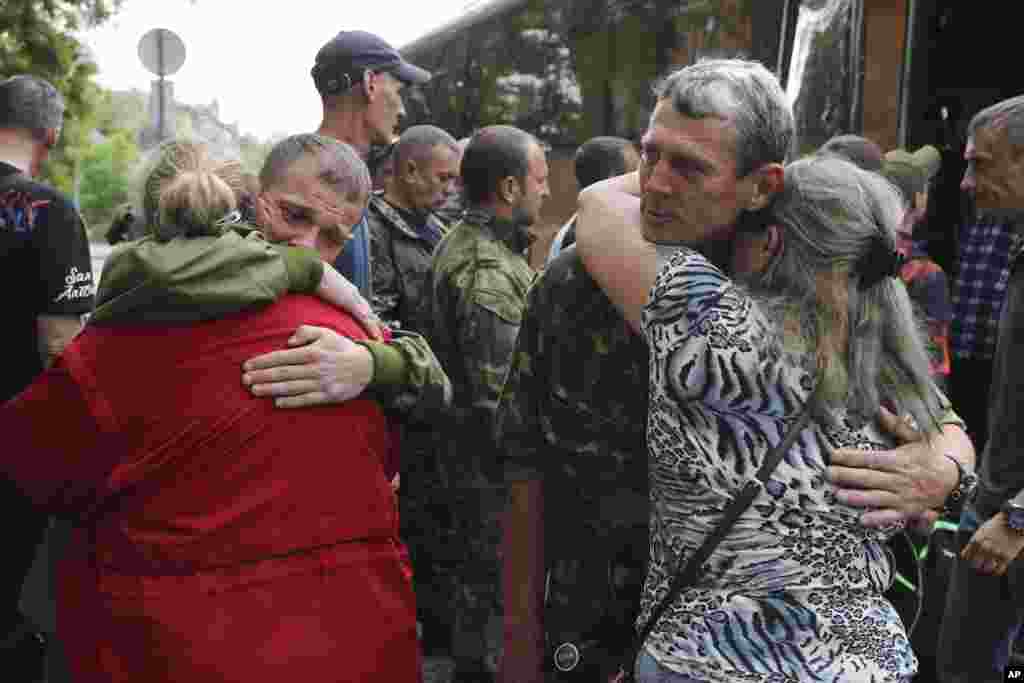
(342, 60)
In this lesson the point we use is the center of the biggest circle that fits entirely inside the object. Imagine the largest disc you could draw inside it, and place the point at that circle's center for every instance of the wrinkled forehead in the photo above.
(707, 137)
(442, 156)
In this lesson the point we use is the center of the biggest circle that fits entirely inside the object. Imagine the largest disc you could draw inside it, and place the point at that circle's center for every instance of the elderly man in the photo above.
(574, 407)
(45, 255)
(985, 604)
(403, 226)
(477, 283)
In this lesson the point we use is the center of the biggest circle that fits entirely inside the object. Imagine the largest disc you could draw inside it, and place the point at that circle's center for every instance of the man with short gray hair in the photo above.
(574, 407)
(403, 226)
(985, 603)
(305, 183)
(306, 194)
(44, 259)
(404, 229)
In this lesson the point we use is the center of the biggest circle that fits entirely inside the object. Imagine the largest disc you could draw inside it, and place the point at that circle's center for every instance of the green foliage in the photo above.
(106, 173)
(124, 109)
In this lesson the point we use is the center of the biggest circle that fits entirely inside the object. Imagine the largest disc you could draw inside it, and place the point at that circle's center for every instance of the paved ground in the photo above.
(100, 252)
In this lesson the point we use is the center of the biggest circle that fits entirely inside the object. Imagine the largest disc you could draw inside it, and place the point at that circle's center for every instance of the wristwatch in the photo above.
(966, 483)
(1014, 516)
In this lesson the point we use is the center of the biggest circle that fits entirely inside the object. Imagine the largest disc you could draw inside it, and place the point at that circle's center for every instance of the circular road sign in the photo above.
(161, 51)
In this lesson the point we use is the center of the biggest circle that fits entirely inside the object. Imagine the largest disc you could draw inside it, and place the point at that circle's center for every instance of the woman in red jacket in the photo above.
(218, 539)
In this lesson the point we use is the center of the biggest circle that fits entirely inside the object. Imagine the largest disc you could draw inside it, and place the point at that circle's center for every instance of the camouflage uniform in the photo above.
(420, 391)
(400, 261)
(573, 412)
(478, 283)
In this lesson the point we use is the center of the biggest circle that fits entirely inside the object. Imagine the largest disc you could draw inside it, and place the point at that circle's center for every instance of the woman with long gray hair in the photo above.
(816, 317)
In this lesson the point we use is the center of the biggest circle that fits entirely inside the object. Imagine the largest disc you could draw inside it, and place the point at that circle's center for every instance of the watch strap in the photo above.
(966, 483)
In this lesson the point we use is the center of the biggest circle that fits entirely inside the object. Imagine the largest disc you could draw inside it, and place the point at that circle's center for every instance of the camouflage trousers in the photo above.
(479, 615)
(453, 529)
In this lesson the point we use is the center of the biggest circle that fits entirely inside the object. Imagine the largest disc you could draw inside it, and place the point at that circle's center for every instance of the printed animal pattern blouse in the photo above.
(794, 593)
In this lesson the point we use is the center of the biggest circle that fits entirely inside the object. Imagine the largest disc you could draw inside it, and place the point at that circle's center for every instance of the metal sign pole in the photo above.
(163, 53)
(162, 99)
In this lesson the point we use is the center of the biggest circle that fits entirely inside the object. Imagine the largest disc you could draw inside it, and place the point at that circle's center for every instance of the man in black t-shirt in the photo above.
(46, 272)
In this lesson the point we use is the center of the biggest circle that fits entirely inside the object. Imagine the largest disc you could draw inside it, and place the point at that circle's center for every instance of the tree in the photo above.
(37, 37)
(106, 173)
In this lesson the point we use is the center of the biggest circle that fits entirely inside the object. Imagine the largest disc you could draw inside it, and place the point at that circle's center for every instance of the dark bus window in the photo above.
(573, 69)
(821, 82)
(569, 70)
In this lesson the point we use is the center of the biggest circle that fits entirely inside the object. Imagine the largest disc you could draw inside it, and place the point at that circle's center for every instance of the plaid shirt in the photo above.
(987, 251)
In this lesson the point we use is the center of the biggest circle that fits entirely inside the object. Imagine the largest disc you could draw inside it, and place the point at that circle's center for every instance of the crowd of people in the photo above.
(331, 424)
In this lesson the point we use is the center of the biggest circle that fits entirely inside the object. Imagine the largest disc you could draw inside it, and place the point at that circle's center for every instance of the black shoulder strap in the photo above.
(687, 576)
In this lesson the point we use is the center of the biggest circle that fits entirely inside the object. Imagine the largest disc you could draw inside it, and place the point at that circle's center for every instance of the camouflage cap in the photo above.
(926, 158)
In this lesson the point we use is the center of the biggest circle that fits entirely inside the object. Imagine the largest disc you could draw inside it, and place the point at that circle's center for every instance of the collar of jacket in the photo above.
(513, 235)
(389, 213)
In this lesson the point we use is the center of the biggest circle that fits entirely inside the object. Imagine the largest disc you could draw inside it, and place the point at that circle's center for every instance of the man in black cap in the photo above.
(360, 78)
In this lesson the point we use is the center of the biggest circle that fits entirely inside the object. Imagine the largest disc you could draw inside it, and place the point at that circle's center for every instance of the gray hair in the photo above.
(745, 94)
(417, 142)
(860, 150)
(1006, 116)
(30, 103)
(338, 165)
(833, 216)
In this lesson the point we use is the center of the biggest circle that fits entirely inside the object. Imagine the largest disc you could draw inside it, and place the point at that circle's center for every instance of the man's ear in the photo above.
(51, 137)
(508, 190)
(368, 84)
(411, 169)
(767, 182)
(261, 205)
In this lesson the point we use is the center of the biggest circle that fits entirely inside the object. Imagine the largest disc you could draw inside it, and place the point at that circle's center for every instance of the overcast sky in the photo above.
(254, 57)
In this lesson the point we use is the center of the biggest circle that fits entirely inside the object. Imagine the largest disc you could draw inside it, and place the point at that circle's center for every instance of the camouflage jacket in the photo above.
(574, 405)
(478, 283)
(400, 261)
(573, 411)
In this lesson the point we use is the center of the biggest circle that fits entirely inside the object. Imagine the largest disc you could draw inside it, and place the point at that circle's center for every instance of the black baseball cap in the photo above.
(351, 52)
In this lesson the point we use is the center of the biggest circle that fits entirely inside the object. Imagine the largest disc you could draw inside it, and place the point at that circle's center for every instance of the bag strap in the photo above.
(690, 572)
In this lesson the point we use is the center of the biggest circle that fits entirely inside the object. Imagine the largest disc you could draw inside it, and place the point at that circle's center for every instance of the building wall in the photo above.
(885, 25)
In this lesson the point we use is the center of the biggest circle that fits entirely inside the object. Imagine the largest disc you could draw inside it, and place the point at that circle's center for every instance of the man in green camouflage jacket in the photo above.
(478, 283)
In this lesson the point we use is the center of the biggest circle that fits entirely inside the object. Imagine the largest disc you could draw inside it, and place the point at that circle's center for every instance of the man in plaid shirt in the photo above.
(987, 248)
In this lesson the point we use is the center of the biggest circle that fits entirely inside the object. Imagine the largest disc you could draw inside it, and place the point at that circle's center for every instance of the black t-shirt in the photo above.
(45, 269)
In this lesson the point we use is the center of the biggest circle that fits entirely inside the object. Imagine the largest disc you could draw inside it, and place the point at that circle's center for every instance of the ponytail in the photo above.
(192, 204)
(186, 192)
